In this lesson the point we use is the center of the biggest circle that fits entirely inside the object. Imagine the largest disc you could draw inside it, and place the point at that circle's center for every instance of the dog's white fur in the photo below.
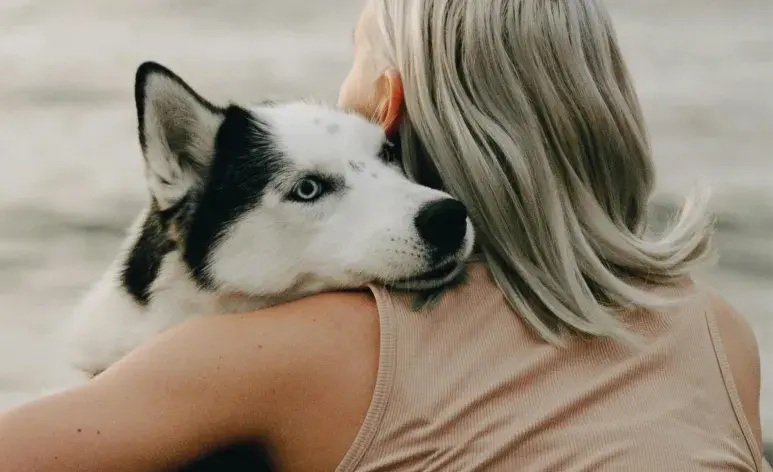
(276, 251)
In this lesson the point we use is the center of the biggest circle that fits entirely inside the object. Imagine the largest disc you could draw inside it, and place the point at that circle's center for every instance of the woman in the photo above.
(575, 344)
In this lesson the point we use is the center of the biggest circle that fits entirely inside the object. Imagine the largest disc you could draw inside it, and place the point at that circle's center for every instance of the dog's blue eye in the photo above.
(308, 190)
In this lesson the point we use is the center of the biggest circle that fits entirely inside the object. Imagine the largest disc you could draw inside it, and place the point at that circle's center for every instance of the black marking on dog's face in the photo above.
(357, 167)
(245, 162)
(206, 165)
(390, 152)
(145, 256)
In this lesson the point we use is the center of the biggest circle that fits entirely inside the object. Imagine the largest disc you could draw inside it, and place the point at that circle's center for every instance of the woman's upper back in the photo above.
(467, 386)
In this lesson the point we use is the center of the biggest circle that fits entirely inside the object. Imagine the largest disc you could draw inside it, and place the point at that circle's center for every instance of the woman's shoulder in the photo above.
(279, 374)
(306, 341)
(730, 325)
(738, 355)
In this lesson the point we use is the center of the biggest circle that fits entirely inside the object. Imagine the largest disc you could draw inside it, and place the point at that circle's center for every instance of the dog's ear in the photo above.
(177, 131)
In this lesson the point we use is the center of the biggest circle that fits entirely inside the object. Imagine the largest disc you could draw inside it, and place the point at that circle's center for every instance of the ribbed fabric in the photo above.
(466, 386)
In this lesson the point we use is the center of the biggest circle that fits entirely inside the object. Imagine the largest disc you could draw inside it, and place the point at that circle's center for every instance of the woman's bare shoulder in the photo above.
(309, 343)
(289, 368)
(743, 356)
(306, 369)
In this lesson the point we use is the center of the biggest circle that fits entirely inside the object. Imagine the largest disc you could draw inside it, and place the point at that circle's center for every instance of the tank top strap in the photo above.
(730, 386)
(384, 381)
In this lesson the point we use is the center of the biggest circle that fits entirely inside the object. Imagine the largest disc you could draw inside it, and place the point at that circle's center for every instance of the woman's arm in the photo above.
(156, 409)
(202, 385)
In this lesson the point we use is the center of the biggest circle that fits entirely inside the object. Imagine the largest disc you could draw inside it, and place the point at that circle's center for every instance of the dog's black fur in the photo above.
(243, 164)
(145, 256)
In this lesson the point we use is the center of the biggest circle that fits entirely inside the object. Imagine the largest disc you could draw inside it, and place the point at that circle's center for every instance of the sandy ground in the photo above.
(73, 180)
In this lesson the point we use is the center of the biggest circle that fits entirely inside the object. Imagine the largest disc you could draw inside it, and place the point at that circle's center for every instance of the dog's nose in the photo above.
(442, 224)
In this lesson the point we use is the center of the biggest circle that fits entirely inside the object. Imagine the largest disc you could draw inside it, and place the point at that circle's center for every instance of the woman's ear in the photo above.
(391, 108)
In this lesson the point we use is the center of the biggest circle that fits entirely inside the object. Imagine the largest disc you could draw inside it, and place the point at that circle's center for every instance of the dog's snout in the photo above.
(443, 225)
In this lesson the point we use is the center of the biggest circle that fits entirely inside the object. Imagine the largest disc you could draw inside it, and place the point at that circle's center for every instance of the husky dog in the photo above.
(272, 203)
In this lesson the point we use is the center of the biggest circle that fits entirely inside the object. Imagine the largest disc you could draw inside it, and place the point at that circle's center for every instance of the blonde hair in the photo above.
(524, 110)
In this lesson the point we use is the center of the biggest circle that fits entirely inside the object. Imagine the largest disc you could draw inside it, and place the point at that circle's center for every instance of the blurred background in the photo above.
(70, 167)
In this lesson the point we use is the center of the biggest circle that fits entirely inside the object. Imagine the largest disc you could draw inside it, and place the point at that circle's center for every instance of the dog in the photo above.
(254, 206)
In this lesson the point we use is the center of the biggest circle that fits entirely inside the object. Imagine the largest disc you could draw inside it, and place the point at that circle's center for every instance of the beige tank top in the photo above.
(465, 386)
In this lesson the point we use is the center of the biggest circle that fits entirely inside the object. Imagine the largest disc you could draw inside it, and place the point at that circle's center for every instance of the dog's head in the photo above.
(289, 198)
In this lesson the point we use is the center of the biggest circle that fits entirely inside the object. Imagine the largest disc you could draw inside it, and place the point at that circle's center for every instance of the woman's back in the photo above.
(468, 386)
